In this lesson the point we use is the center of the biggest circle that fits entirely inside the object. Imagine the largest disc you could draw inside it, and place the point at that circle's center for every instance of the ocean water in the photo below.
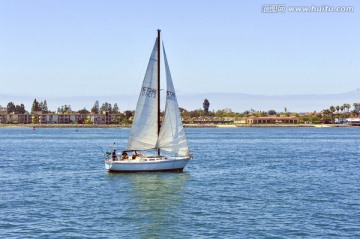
(242, 183)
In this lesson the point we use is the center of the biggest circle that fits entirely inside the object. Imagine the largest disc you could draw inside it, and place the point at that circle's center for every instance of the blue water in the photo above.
(242, 183)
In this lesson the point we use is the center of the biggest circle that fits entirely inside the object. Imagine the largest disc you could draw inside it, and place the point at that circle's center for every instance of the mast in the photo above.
(158, 85)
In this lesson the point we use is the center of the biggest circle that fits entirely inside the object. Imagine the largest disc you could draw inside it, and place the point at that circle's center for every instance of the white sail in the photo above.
(144, 130)
(172, 136)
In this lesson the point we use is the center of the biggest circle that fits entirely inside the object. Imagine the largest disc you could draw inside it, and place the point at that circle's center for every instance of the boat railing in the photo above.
(146, 158)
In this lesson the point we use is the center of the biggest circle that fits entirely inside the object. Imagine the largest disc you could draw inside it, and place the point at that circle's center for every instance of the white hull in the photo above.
(147, 164)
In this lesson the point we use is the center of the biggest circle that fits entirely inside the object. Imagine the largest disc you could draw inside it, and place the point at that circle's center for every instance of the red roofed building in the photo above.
(272, 120)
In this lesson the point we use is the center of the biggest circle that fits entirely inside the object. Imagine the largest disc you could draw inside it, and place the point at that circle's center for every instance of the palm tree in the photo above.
(356, 108)
(332, 109)
(246, 113)
(356, 105)
(346, 108)
(325, 114)
(337, 111)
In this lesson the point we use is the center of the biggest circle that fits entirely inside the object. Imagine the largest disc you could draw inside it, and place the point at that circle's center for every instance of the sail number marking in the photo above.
(149, 92)
(170, 95)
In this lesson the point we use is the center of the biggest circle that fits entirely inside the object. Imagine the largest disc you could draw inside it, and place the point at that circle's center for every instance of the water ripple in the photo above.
(242, 183)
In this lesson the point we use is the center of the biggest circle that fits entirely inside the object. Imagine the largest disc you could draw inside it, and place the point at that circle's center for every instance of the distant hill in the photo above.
(238, 102)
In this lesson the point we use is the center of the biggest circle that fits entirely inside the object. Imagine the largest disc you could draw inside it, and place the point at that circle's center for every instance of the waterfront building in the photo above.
(272, 120)
(24, 119)
(353, 120)
(105, 118)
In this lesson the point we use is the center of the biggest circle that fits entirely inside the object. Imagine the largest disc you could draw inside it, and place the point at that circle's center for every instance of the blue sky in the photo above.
(64, 49)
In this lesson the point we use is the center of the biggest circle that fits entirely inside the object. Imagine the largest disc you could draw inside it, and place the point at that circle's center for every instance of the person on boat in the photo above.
(124, 155)
(114, 155)
(134, 155)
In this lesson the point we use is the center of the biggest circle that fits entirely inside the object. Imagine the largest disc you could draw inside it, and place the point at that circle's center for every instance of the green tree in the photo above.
(44, 107)
(262, 113)
(195, 113)
(35, 106)
(315, 119)
(246, 113)
(35, 119)
(326, 115)
(184, 113)
(332, 109)
(347, 107)
(115, 120)
(128, 114)
(20, 109)
(357, 106)
(83, 111)
(126, 121)
(41, 105)
(106, 107)
(304, 119)
(356, 109)
(11, 108)
(206, 106)
(96, 108)
(115, 109)
(88, 121)
(272, 112)
(65, 109)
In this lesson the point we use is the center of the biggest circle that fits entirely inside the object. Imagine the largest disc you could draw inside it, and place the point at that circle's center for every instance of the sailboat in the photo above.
(148, 133)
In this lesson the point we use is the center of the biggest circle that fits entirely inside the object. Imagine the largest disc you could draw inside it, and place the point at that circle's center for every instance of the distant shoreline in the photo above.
(185, 125)
(61, 126)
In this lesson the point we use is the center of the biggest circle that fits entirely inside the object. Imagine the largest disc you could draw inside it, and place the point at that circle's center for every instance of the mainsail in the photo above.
(172, 136)
(144, 130)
